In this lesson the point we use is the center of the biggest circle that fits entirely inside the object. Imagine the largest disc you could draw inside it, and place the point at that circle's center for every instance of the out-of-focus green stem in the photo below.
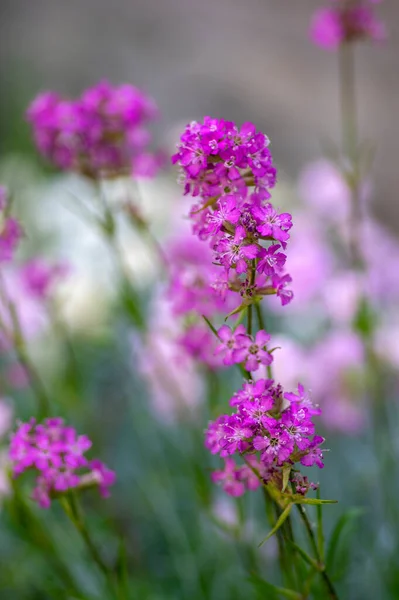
(350, 145)
(17, 338)
(332, 594)
(73, 511)
(262, 326)
(348, 101)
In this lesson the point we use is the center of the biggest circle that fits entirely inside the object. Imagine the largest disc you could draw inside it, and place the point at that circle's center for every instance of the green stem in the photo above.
(249, 321)
(19, 346)
(263, 326)
(348, 100)
(332, 594)
(272, 515)
(350, 144)
(73, 511)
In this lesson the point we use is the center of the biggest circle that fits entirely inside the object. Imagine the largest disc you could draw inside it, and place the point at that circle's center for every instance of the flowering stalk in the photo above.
(102, 135)
(11, 233)
(73, 510)
(271, 431)
(363, 26)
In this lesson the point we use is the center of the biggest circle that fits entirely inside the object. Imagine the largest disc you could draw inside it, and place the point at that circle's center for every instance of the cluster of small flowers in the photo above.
(56, 453)
(220, 164)
(101, 134)
(271, 430)
(346, 21)
(10, 230)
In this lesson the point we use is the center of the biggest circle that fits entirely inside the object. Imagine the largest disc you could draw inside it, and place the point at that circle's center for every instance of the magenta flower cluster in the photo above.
(101, 134)
(56, 454)
(231, 172)
(10, 230)
(346, 21)
(270, 430)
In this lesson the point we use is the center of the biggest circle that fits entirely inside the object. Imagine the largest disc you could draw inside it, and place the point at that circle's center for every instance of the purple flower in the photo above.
(271, 261)
(251, 391)
(277, 446)
(345, 22)
(230, 341)
(278, 426)
(274, 225)
(234, 252)
(298, 425)
(230, 478)
(214, 434)
(226, 211)
(256, 413)
(302, 399)
(235, 435)
(38, 277)
(279, 283)
(314, 454)
(215, 158)
(102, 133)
(253, 352)
(56, 453)
(104, 476)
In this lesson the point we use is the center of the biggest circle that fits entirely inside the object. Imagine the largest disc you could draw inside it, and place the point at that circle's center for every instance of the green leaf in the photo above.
(365, 319)
(320, 532)
(122, 569)
(343, 527)
(211, 327)
(286, 477)
(237, 310)
(308, 559)
(273, 591)
(298, 499)
(278, 524)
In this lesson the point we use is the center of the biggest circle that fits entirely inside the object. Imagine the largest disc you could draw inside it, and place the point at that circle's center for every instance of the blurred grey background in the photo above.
(241, 60)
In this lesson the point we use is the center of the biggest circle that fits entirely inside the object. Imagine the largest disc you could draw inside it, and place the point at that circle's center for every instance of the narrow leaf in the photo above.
(320, 532)
(237, 310)
(313, 501)
(273, 591)
(286, 477)
(343, 524)
(278, 524)
(211, 327)
(308, 559)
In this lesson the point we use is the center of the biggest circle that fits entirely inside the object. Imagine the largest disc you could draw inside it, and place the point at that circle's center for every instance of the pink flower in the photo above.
(230, 341)
(229, 478)
(101, 134)
(253, 352)
(276, 446)
(274, 225)
(38, 277)
(10, 235)
(105, 477)
(56, 454)
(345, 22)
(314, 455)
(234, 252)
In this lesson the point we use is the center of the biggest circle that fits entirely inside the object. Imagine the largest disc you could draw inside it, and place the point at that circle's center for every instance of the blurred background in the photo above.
(249, 61)
(185, 539)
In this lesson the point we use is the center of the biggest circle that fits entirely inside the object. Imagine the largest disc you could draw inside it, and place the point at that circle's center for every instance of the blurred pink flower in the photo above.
(31, 312)
(325, 191)
(174, 382)
(38, 276)
(341, 295)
